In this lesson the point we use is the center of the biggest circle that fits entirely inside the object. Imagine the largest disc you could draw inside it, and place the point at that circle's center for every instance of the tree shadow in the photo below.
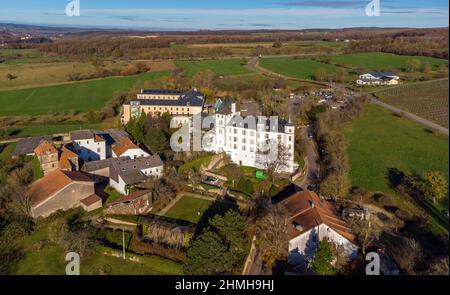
(218, 207)
(395, 177)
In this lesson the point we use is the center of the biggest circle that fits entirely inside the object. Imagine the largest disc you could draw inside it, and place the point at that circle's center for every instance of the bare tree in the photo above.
(366, 232)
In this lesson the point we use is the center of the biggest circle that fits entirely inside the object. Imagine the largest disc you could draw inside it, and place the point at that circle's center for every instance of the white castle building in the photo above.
(251, 141)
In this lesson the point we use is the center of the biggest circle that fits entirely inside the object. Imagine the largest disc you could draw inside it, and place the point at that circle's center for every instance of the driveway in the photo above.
(313, 167)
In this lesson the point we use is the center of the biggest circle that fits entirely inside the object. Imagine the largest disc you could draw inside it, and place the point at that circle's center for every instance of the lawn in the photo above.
(379, 61)
(302, 68)
(379, 140)
(80, 96)
(49, 259)
(195, 164)
(188, 208)
(226, 67)
(36, 130)
(425, 99)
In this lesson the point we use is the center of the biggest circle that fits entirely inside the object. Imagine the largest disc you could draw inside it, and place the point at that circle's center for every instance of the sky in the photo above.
(227, 14)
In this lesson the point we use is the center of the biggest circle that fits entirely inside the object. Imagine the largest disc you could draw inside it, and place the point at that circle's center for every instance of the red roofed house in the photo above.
(312, 220)
(61, 190)
(47, 155)
(126, 148)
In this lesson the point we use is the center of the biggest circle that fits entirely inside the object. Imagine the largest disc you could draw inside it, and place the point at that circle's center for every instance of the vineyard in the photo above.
(428, 100)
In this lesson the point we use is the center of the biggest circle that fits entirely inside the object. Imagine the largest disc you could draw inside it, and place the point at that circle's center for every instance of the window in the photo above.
(252, 133)
(243, 147)
(243, 140)
(252, 149)
(252, 141)
(279, 137)
(290, 138)
(98, 150)
(243, 132)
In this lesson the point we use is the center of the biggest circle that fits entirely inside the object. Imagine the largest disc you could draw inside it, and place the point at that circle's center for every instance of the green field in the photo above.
(426, 99)
(301, 68)
(226, 67)
(35, 130)
(379, 61)
(379, 140)
(80, 96)
(188, 208)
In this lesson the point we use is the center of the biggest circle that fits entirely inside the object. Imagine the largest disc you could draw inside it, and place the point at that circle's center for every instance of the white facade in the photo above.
(303, 246)
(90, 149)
(246, 140)
(374, 79)
(132, 154)
(121, 186)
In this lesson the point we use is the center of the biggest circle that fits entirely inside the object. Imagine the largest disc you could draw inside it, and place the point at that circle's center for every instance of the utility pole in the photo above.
(123, 243)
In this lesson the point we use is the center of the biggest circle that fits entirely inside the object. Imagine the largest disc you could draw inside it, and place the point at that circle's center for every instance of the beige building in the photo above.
(47, 155)
(154, 102)
(61, 190)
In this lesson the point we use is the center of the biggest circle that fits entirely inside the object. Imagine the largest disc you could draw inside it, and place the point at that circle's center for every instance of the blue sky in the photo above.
(229, 14)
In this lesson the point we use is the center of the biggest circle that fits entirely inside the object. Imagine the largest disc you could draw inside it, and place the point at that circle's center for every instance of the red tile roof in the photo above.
(42, 189)
(92, 199)
(307, 210)
(45, 148)
(123, 145)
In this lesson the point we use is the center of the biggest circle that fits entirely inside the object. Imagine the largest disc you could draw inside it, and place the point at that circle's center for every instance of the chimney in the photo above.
(311, 204)
(233, 107)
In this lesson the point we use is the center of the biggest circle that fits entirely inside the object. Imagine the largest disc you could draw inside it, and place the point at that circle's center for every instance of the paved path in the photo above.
(313, 167)
(411, 116)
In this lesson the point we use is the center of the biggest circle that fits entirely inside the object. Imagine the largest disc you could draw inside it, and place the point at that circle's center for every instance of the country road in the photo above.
(313, 167)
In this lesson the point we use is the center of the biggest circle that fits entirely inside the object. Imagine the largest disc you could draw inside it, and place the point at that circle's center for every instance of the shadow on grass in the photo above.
(218, 207)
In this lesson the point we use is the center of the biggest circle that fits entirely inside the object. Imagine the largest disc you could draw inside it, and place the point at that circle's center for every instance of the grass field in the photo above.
(188, 208)
(301, 68)
(379, 61)
(49, 259)
(378, 141)
(226, 67)
(35, 130)
(80, 96)
(427, 99)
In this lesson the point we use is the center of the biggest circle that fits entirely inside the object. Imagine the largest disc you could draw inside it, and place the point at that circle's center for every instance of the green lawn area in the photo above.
(80, 96)
(226, 67)
(379, 61)
(35, 130)
(379, 140)
(302, 68)
(187, 208)
(50, 260)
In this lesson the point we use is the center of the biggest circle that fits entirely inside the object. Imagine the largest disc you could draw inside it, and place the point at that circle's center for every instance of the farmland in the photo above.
(379, 141)
(226, 67)
(80, 96)
(301, 68)
(427, 99)
(379, 61)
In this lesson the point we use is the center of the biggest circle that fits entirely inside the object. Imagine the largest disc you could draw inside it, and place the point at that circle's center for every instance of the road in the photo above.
(312, 158)
(420, 120)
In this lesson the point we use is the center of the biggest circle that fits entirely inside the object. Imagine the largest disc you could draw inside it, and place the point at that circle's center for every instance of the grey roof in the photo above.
(128, 169)
(225, 106)
(81, 134)
(112, 136)
(186, 98)
(162, 91)
(27, 145)
(381, 74)
(279, 127)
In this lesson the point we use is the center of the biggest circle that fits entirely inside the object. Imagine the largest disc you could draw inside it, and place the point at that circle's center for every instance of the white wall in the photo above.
(89, 149)
(133, 154)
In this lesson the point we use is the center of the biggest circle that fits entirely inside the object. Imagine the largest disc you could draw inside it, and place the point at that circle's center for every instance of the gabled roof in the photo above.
(124, 145)
(27, 145)
(92, 199)
(306, 211)
(382, 74)
(85, 134)
(45, 148)
(42, 189)
(225, 106)
(130, 169)
(133, 196)
(186, 98)
(65, 155)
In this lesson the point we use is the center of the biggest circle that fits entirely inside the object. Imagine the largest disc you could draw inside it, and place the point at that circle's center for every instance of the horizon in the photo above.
(195, 15)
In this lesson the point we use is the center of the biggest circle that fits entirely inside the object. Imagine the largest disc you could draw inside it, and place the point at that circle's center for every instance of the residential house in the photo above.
(126, 148)
(68, 159)
(313, 219)
(136, 203)
(122, 173)
(89, 145)
(59, 190)
(251, 141)
(377, 78)
(47, 155)
(179, 103)
(26, 146)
